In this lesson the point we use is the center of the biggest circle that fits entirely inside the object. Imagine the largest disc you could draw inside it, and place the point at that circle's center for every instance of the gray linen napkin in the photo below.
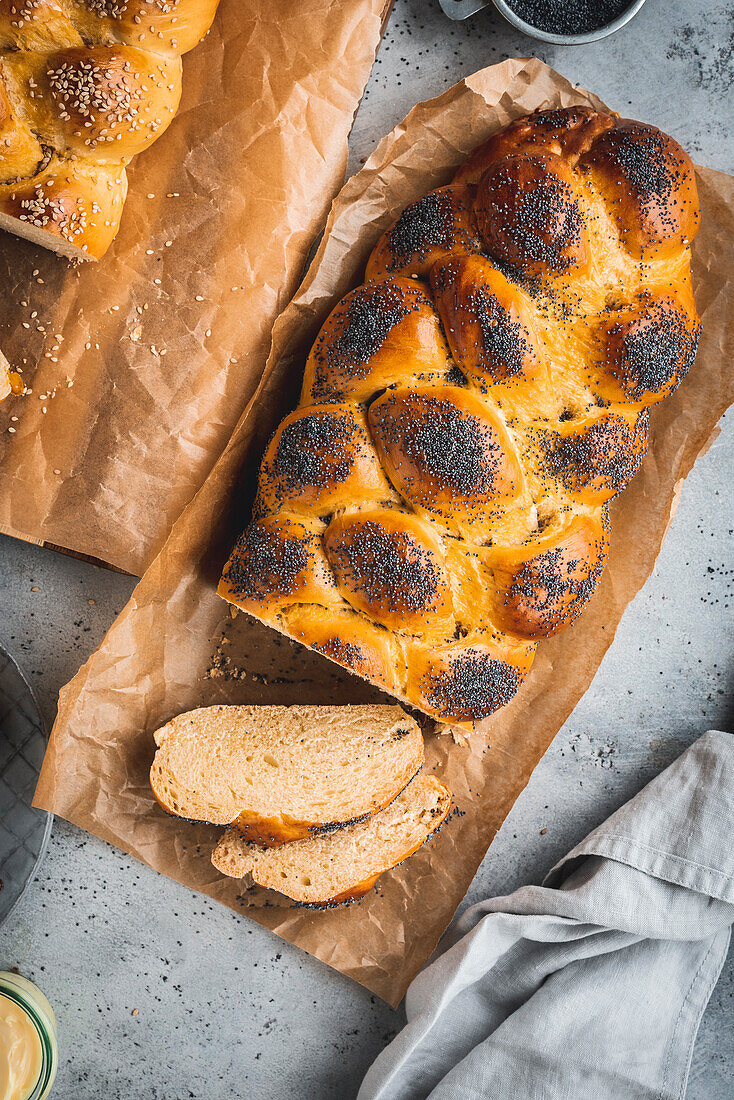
(592, 986)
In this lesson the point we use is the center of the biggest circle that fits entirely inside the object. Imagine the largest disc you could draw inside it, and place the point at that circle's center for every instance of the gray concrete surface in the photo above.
(162, 995)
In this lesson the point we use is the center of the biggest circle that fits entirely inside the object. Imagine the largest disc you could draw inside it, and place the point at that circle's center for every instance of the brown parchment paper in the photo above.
(176, 646)
(141, 365)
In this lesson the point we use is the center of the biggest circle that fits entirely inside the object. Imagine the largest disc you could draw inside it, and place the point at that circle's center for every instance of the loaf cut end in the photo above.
(71, 207)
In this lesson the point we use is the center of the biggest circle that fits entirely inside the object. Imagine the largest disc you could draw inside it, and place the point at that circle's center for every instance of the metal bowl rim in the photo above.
(567, 39)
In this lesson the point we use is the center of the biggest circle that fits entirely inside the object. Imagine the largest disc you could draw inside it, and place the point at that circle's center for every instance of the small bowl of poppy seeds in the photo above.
(568, 22)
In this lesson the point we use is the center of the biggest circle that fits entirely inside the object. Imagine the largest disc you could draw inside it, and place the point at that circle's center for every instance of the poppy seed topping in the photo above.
(316, 450)
(390, 570)
(429, 223)
(607, 451)
(455, 450)
(505, 346)
(475, 685)
(471, 409)
(371, 314)
(649, 353)
(266, 562)
(529, 216)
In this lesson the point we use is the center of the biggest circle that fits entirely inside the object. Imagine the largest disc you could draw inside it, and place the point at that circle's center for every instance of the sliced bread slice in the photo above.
(343, 865)
(283, 773)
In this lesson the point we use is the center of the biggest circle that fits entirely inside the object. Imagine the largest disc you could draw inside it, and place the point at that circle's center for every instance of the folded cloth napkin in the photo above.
(592, 986)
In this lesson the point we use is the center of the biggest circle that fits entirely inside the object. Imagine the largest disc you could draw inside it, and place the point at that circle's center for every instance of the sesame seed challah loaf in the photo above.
(282, 773)
(84, 86)
(437, 503)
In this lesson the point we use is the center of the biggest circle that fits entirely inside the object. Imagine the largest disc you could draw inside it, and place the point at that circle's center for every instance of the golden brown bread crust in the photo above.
(649, 347)
(320, 459)
(529, 215)
(596, 456)
(350, 640)
(101, 102)
(514, 330)
(37, 25)
(20, 150)
(649, 184)
(172, 26)
(390, 566)
(84, 86)
(376, 334)
(272, 832)
(440, 224)
(348, 896)
(566, 132)
(269, 832)
(486, 319)
(78, 203)
(465, 683)
(543, 586)
(279, 561)
(446, 451)
(163, 26)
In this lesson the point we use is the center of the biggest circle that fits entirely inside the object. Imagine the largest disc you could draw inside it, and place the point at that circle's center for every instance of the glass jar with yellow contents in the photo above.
(28, 1051)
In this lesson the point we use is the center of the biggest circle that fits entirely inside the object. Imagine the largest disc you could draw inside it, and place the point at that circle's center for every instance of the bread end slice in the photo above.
(342, 866)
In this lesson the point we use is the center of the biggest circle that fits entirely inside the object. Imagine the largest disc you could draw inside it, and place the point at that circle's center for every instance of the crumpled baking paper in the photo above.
(141, 365)
(176, 645)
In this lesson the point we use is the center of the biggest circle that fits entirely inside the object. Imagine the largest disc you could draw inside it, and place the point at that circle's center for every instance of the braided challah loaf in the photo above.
(84, 86)
(438, 501)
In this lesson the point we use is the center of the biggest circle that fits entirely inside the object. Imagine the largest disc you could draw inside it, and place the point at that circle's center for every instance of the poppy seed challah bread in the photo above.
(282, 773)
(438, 500)
(84, 86)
